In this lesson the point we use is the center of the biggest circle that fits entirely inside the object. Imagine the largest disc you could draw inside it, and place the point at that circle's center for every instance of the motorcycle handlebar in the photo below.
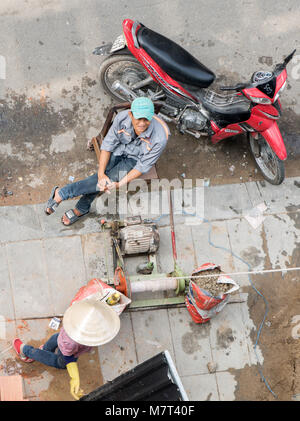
(289, 57)
(281, 66)
(278, 68)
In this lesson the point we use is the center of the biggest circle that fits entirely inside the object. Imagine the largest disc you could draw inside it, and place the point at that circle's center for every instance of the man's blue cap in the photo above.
(142, 107)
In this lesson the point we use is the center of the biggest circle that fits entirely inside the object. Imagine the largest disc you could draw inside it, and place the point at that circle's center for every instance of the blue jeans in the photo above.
(117, 168)
(47, 355)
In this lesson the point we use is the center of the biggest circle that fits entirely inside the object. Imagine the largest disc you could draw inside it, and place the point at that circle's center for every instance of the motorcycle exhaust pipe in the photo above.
(122, 89)
(142, 83)
(130, 95)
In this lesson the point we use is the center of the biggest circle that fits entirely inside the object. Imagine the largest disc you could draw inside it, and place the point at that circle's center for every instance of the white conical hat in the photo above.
(91, 323)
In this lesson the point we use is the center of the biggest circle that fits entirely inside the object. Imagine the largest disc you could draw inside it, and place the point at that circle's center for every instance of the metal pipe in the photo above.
(122, 89)
(142, 83)
(154, 285)
(172, 227)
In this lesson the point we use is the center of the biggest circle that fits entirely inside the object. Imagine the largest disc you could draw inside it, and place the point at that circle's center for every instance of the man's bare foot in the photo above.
(57, 199)
(66, 220)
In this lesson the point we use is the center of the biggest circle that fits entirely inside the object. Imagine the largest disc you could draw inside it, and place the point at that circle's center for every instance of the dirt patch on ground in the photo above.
(42, 145)
(279, 341)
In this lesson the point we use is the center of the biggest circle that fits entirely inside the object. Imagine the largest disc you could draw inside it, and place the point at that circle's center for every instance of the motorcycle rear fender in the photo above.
(104, 50)
(275, 140)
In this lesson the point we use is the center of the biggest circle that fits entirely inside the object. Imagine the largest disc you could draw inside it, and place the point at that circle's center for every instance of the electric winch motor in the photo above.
(139, 238)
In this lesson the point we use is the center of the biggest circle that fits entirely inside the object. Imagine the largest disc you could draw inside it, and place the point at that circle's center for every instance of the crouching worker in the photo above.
(86, 323)
(131, 147)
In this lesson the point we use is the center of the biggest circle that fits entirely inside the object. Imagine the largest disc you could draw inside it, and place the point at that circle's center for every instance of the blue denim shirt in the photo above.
(145, 148)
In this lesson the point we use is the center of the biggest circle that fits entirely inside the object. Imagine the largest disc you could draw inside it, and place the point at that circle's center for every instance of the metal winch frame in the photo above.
(135, 236)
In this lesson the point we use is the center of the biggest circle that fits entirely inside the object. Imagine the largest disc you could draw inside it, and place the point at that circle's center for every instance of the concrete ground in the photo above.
(34, 290)
(51, 104)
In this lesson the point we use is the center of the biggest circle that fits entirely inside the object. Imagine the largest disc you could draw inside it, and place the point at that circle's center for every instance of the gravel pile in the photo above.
(210, 283)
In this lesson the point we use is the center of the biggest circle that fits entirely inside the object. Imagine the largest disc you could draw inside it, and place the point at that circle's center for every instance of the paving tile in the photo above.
(149, 205)
(225, 201)
(248, 244)
(30, 285)
(119, 355)
(34, 332)
(226, 385)
(11, 388)
(191, 343)
(282, 198)
(152, 334)
(98, 255)
(201, 387)
(52, 226)
(105, 204)
(282, 234)
(217, 234)
(186, 256)
(188, 205)
(6, 297)
(165, 254)
(36, 385)
(254, 193)
(7, 335)
(19, 223)
(65, 269)
(227, 338)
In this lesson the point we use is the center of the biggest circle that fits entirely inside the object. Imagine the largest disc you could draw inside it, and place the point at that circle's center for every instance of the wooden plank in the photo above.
(150, 175)
(96, 147)
(11, 388)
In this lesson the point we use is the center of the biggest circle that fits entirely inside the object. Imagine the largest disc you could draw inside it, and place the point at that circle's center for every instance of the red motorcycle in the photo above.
(179, 81)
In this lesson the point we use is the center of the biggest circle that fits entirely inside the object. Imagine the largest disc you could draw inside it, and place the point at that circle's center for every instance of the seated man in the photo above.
(132, 146)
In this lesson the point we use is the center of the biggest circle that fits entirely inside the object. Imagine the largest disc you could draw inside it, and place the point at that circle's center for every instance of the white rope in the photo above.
(235, 273)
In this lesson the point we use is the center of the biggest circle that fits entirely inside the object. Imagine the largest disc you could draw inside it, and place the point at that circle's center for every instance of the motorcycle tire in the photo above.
(271, 167)
(123, 67)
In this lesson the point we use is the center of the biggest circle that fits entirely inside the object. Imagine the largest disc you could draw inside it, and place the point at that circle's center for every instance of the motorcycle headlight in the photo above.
(279, 92)
(259, 100)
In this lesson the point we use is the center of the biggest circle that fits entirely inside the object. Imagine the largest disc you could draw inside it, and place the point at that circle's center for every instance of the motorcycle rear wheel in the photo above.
(266, 160)
(122, 67)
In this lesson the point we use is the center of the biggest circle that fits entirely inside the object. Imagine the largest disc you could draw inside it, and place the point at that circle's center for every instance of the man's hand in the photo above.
(112, 185)
(103, 182)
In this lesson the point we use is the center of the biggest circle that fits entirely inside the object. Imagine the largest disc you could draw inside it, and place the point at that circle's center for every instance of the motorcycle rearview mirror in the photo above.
(281, 66)
(103, 50)
(289, 58)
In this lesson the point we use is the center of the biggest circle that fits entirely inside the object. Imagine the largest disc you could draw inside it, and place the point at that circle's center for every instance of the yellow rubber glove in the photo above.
(75, 380)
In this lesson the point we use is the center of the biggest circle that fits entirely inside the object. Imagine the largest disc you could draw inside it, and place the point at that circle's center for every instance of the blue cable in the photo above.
(251, 283)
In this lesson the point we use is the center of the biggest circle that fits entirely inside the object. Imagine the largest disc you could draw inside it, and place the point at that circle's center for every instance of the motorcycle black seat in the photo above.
(174, 60)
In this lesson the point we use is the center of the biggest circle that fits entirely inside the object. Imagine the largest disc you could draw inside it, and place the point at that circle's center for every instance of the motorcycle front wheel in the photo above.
(124, 68)
(267, 161)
